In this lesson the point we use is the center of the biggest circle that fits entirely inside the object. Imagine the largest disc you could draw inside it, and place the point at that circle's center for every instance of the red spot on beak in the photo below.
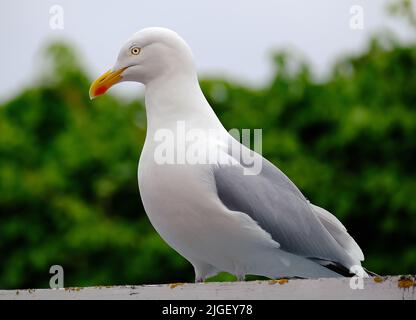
(100, 90)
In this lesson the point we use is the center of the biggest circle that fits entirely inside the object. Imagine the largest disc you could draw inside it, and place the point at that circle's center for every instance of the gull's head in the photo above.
(150, 54)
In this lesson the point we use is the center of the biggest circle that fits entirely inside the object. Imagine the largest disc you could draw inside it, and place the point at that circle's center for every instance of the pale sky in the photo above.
(232, 38)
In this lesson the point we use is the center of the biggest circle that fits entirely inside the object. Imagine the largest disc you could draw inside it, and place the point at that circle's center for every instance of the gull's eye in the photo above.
(135, 50)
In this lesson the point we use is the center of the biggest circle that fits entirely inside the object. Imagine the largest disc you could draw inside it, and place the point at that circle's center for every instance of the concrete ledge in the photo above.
(394, 287)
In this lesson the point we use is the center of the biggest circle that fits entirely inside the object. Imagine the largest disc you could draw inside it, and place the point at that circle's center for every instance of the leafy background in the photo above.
(68, 183)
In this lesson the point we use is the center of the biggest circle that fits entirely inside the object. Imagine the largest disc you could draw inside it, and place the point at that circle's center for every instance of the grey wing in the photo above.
(276, 204)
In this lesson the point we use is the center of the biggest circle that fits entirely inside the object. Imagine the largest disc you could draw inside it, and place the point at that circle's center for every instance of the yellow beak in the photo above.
(105, 82)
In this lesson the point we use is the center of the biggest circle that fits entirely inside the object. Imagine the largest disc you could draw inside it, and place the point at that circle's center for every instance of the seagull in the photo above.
(222, 214)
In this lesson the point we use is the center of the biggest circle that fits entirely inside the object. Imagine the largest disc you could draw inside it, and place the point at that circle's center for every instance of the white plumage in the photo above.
(216, 216)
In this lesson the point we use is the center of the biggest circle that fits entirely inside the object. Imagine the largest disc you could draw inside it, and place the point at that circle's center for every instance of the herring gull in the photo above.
(219, 214)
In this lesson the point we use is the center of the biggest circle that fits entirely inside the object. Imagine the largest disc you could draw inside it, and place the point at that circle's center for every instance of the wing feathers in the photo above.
(339, 232)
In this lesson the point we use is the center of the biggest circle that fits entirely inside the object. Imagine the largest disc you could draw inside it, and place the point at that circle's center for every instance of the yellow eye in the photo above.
(135, 50)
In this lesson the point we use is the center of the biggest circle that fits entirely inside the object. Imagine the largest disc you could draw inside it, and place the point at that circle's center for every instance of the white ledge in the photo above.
(393, 287)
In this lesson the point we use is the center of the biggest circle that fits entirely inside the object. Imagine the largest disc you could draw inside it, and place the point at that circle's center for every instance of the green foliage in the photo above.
(68, 180)
(69, 192)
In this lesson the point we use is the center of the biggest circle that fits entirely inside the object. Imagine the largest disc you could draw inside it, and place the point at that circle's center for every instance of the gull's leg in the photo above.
(241, 277)
(203, 271)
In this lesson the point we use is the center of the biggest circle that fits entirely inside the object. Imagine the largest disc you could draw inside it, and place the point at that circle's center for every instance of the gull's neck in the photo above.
(178, 97)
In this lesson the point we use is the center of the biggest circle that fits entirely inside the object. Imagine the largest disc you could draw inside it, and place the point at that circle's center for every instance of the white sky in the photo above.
(232, 38)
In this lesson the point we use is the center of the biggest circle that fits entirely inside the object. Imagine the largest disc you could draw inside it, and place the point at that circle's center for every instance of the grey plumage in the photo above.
(276, 204)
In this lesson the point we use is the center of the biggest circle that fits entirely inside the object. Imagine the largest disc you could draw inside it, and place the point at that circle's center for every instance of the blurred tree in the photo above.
(68, 181)
(68, 184)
